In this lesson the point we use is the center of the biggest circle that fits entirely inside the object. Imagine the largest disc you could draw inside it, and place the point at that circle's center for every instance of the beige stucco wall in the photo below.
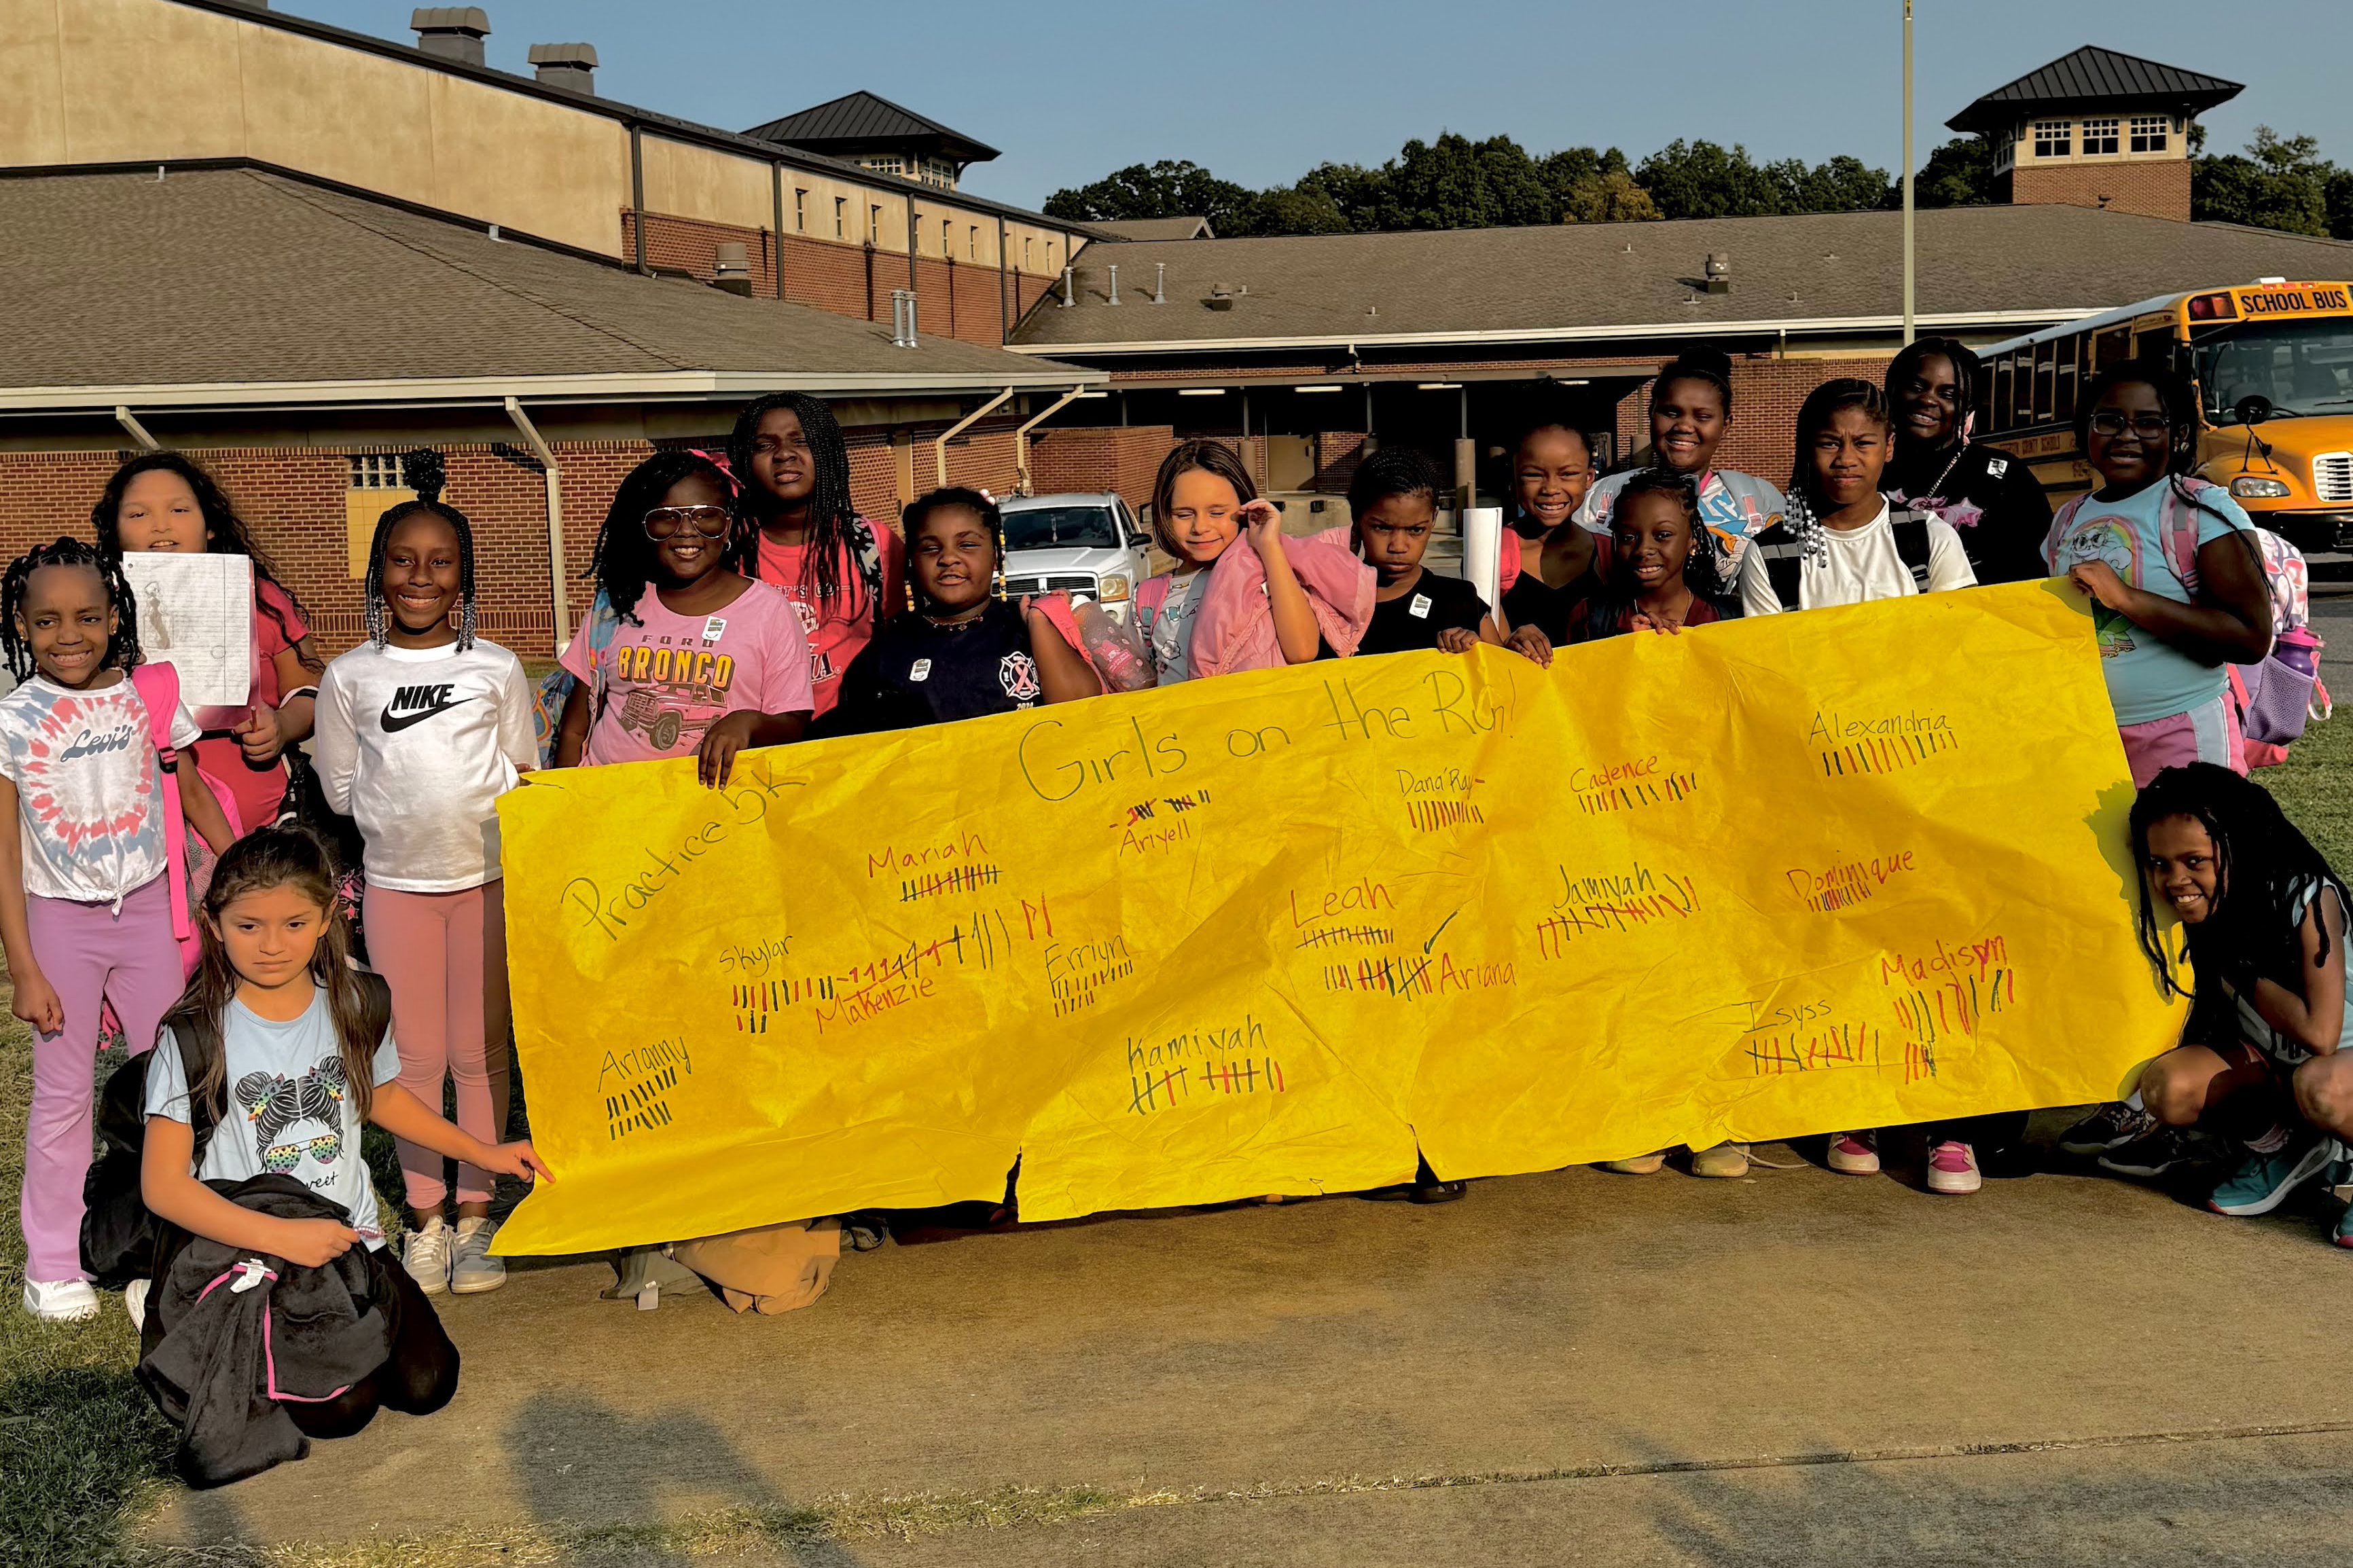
(112, 81)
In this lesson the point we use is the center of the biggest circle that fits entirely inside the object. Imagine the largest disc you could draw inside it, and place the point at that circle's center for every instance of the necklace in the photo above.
(958, 623)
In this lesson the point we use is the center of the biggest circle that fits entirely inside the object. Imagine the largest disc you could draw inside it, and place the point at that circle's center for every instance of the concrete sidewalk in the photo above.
(1852, 1340)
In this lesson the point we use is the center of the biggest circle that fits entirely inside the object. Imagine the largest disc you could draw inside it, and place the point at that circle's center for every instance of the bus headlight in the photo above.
(2253, 485)
(1111, 589)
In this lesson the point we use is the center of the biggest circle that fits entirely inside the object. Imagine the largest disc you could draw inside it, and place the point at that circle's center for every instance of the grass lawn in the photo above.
(81, 1446)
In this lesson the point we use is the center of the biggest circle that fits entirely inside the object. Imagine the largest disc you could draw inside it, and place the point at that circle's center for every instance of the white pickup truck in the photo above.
(1089, 545)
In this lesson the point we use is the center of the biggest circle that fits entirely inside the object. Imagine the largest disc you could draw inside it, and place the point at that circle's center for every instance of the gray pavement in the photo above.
(1808, 1364)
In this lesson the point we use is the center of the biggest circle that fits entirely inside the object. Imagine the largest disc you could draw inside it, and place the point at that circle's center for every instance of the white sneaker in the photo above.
(134, 1302)
(61, 1300)
(425, 1256)
(474, 1269)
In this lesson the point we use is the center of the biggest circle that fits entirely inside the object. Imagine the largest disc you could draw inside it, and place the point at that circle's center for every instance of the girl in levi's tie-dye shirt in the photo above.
(85, 900)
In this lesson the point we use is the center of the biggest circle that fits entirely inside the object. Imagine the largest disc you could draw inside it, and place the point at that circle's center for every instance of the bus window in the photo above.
(2045, 367)
(1998, 404)
(2021, 389)
(2062, 400)
(2299, 367)
(2111, 347)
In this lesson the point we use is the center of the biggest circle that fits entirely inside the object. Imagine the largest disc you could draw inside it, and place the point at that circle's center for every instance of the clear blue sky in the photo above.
(1260, 91)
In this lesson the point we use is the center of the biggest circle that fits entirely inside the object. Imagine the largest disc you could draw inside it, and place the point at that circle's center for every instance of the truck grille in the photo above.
(1079, 583)
(2332, 476)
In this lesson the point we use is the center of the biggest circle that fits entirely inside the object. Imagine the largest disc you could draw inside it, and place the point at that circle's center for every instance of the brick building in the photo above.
(295, 337)
(2096, 129)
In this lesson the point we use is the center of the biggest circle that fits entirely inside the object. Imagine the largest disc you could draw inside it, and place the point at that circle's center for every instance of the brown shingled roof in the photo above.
(238, 276)
(1824, 273)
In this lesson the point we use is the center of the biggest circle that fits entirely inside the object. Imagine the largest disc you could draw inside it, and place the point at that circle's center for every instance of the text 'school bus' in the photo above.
(2272, 361)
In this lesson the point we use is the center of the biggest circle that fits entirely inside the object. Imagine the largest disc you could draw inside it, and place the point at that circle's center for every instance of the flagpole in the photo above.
(1908, 173)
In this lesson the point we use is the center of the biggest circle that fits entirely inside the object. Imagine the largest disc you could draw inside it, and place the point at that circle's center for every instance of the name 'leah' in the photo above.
(1836, 726)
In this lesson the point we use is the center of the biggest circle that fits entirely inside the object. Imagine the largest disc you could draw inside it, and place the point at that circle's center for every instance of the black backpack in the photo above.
(1782, 557)
(119, 1236)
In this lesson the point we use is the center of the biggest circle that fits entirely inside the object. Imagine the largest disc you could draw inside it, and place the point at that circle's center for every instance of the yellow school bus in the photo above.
(2273, 363)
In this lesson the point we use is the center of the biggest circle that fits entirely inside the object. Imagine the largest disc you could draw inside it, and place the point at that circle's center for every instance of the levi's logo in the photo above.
(97, 740)
(415, 704)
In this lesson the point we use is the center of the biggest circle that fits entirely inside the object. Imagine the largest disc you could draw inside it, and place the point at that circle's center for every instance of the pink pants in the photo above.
(444, 957)
(90, 955)
(2208, 733)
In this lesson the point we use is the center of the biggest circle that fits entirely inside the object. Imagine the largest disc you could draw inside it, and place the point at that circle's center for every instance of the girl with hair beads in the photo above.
(801, 532)
(85, 885)
(1393, 496)
(1992, 500)
(1556, 564)
(163, 502)
(269, 1066)
(2265, 1059)
(702, 661)
(1690, 410)
(1841, 543)
(1223, 610)
(1669, 570)
(421, 729)
(959, 650)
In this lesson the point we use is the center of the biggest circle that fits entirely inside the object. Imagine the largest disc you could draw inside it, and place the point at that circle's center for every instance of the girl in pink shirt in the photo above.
(163, 502)
(702, 661)
(799, 532)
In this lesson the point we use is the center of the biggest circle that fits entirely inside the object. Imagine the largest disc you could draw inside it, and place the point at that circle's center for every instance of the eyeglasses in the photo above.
(711, 521)
(2147, 426)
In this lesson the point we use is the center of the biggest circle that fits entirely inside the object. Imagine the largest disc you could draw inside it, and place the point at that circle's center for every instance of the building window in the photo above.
(377, 471)
(2149, 133)
(2099, 136)
(840, 205)
(1025, 253)
(874, 225)
(947, 244)
(972, 244)
(885, 163)
(2051, 138)
(939, 171)
(800, 211)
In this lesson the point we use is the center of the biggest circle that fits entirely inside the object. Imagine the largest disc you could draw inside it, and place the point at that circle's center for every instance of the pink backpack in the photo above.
(2279, 693)
(158, 686)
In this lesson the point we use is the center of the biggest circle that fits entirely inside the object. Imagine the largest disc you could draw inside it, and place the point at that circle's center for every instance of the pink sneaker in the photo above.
(1855, 1154)
(1953, 1168)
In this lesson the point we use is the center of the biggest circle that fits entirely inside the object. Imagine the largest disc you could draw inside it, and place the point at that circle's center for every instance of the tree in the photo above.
(1455, 183)
(1611, 198)
(1354, 189)
(2338, 193)
(1842, 184)
(1303, 208)
(1700, 179)
(2280, 183)
(1166, 189)
(1957, 174)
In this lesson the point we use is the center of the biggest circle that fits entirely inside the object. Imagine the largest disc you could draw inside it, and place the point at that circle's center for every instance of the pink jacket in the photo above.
(1233, 630)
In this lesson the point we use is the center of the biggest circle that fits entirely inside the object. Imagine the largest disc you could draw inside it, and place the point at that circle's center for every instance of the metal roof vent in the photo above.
(731, 267)
(452, 32)
(1719, 272)
(572, 66)
(1221, 297)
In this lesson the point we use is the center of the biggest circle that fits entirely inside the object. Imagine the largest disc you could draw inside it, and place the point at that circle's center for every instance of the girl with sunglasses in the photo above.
(702, 661)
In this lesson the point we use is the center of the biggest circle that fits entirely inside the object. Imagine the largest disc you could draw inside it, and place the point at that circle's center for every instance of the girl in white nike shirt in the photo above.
(420, 730)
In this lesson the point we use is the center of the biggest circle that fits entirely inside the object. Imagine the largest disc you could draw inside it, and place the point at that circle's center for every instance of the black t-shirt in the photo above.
(1415, 618)
(1533, 602)
(917, 673)
(1990, 499)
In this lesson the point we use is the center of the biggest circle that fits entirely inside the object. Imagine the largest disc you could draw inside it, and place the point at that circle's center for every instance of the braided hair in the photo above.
(1392, 471)
(1967, 370)
(422, 472)
(224, 532)
(2263, 867)
(919, 511)
(121, 649)
(833, 520)
(624, 562)
(1825, 402)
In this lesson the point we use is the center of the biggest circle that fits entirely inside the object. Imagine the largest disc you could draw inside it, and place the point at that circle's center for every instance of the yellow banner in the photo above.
(1270, 933)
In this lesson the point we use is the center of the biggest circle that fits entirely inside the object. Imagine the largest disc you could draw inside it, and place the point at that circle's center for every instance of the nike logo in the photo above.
(417, 704)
